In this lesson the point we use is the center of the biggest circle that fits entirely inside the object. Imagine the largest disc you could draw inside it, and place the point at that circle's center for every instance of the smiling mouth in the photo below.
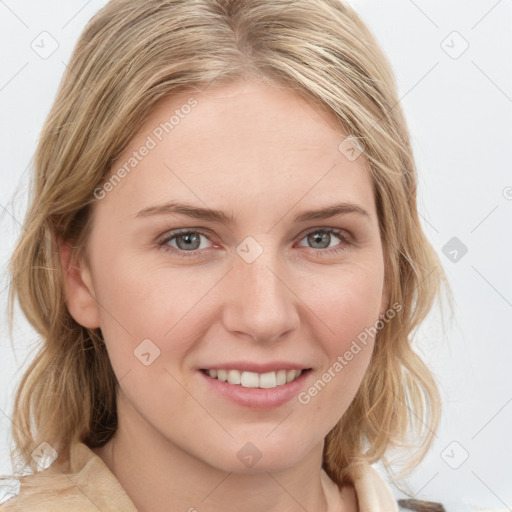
(247, 379)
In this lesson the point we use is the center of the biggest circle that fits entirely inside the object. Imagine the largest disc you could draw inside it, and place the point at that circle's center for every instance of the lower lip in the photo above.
(257, 398)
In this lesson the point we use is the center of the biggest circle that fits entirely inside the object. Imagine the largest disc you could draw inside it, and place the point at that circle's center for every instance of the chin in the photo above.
(260, 456)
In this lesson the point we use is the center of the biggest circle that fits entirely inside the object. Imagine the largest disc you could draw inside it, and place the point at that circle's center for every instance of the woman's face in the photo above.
(253, 282)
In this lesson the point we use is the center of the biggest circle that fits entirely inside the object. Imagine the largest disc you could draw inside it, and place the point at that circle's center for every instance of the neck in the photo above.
(158, 475)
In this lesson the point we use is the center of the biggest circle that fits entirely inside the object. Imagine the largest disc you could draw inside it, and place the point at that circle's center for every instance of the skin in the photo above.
(262, 154)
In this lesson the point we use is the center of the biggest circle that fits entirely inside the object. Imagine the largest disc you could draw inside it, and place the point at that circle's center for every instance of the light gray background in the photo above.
(459, 109)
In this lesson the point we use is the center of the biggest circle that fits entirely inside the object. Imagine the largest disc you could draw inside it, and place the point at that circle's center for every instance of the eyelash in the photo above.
(188, 254)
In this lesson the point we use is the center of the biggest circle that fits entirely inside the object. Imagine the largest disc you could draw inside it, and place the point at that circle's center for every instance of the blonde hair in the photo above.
(133, 53)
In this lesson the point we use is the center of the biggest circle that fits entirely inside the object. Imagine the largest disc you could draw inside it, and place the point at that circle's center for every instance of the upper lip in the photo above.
(251, 366)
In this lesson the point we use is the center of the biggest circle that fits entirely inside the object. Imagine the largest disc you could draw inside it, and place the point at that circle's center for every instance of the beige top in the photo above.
(91, 486)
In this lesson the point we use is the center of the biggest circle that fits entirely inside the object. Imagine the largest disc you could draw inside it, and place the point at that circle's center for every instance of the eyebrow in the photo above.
(207, 214)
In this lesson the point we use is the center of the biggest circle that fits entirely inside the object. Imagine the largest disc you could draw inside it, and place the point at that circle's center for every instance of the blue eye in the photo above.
(186, 239)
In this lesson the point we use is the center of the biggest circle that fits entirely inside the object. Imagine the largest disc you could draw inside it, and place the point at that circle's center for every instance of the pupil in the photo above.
(322, 236)
(189, 240)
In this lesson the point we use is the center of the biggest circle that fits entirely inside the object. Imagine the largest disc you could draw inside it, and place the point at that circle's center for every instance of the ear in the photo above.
(78, 289)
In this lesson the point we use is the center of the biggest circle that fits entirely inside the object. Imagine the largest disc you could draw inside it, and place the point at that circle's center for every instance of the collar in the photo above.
(90, 485)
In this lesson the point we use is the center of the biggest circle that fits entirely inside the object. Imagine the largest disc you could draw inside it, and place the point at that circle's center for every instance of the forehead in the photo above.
(246, 142)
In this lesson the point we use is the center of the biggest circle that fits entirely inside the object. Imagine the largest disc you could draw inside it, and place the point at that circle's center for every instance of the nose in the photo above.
(260, 300)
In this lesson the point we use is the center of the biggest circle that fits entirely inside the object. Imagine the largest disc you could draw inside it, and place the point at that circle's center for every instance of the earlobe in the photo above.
(78, 289)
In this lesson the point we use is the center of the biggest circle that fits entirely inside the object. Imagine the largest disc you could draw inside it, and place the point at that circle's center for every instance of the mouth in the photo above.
(253, 390)
(248, 379)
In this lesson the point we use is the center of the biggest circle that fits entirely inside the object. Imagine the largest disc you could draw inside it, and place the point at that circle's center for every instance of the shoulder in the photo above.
(38, 492)
(88, 485)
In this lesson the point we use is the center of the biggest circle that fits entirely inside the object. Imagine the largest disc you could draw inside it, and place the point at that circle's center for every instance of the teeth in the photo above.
(268, 380)
(255, 380)
(233, 376)
(249, 379)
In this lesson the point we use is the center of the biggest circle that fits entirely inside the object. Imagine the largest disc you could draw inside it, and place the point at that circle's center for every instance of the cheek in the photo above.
(348, 302)
(148, 310)
(349, 309)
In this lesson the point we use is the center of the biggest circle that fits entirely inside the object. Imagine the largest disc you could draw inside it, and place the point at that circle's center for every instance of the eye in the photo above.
(188, 243)
(321, 238)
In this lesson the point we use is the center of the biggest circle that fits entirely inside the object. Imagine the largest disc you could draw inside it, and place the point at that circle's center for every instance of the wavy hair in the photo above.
(133, 53)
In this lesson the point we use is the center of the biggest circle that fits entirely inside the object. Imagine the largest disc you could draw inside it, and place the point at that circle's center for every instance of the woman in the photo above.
(200, 350)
